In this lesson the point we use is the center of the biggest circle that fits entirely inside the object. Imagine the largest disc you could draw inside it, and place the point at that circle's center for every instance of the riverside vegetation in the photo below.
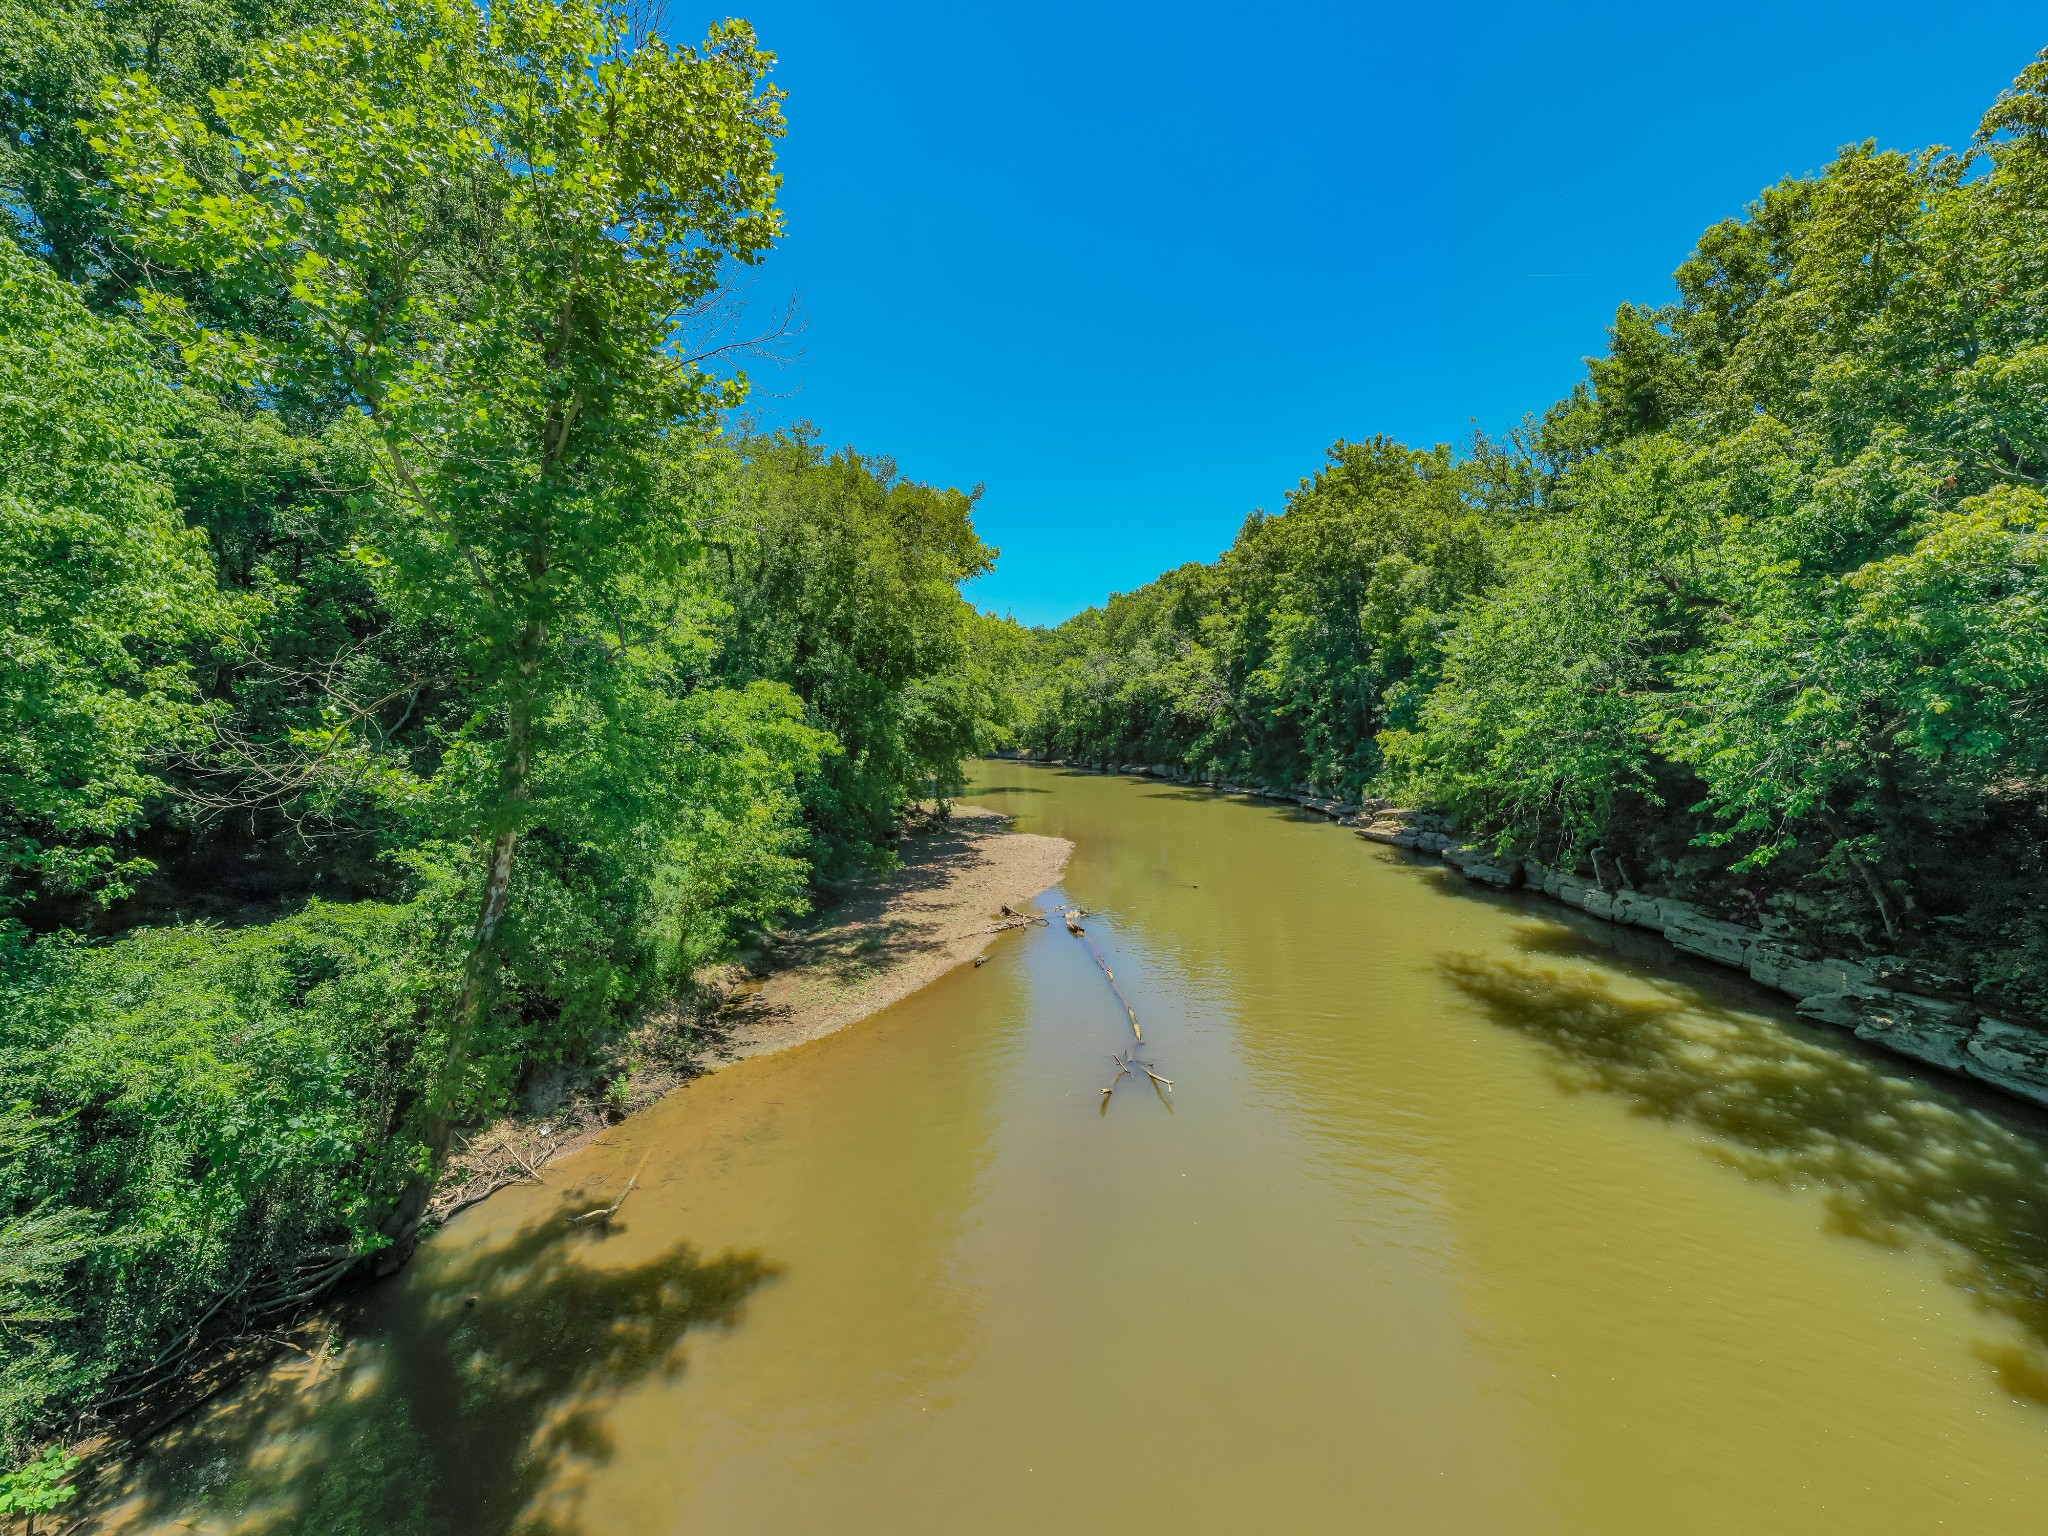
(1754, 617)
(411, 671)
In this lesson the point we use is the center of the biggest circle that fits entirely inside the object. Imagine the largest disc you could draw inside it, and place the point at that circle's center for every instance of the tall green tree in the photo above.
(493, 229)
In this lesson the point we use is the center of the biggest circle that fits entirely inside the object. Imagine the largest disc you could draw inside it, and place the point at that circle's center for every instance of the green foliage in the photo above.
(54, 57)
(225, 1104)
(383, 533)
(489, 225)
(40, 1486)
(1542, 712)
(667, 823)
(105, 595)
(39, 1245)
(843, 581)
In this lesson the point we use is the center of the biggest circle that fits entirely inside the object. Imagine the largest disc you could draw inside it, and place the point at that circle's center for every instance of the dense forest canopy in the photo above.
(412, 671)
(1757, 609)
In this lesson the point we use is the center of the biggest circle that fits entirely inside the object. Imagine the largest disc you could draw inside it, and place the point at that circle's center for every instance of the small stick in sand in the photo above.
(525, 1167)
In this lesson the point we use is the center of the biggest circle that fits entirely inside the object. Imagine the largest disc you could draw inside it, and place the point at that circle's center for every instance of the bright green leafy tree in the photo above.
(493, 229)
(55, 55)
(843, 583)
(105, 594)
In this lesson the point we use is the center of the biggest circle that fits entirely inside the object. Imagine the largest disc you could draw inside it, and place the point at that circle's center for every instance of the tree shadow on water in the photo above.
(1898, 1165)
(465, 1405)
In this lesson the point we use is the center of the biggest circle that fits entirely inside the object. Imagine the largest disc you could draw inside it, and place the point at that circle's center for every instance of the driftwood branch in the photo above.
(605, 1213)
(1009, 917)
(1129, 1057)
(319, 1363)
(1073, 917)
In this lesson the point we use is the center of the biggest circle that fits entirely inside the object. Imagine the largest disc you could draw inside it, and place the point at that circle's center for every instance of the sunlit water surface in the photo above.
(1459, 1218)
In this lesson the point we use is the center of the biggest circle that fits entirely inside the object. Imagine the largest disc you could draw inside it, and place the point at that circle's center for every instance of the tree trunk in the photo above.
(1875, 891)
(479, 964)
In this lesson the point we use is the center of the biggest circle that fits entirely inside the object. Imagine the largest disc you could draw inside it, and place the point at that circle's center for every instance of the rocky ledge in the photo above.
(1886, 999)
(1883, 998)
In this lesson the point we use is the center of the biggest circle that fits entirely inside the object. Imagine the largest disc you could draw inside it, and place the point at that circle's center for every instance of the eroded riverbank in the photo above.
(1457, 1220)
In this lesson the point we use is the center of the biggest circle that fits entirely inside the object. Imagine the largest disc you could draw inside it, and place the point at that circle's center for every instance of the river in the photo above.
(1463, 1215)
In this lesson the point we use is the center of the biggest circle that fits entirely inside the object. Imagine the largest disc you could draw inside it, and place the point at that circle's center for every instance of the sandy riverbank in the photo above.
(885, 939)
(939, 910)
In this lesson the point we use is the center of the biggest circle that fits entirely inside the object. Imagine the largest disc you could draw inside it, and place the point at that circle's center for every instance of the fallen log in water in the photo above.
(1074, 927)
(1129, 1058)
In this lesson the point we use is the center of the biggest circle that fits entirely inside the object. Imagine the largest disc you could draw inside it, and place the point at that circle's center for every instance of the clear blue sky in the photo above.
(1135, 266)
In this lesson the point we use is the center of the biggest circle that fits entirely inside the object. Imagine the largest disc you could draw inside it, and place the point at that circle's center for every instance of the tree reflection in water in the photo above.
(1898, 1165)
(465, 1410)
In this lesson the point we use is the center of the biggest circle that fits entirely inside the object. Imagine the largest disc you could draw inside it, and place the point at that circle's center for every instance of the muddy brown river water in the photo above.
(1458, 1219)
